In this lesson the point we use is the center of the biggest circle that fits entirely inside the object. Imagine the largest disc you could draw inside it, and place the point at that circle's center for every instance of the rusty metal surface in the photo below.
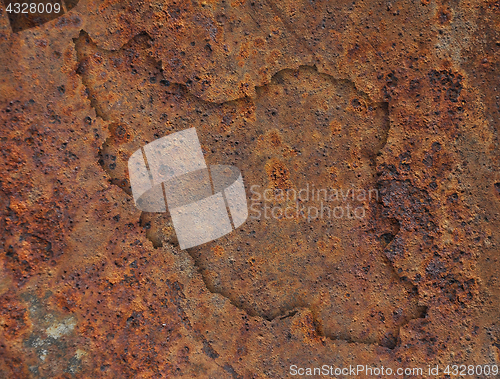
(401, 97)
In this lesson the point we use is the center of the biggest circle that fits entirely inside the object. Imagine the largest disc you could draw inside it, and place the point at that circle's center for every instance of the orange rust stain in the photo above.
(259, 42)
(278, 174)
(336, 127)
(218, 251)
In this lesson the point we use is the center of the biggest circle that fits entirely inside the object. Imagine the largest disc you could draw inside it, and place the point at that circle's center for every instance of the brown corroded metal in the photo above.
(400, 97)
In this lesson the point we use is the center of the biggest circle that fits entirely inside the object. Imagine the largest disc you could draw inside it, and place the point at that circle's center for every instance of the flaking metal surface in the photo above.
(398, 96)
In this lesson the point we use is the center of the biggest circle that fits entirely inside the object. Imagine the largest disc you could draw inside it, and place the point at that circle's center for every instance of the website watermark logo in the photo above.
(171, 173)
(310, 203)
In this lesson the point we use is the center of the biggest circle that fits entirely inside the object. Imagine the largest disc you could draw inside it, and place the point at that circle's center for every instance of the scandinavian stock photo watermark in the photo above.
(208, 202)
(205, 202)
(310, 202)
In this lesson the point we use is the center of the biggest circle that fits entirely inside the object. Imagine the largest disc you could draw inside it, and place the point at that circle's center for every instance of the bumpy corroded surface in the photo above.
(398, 96)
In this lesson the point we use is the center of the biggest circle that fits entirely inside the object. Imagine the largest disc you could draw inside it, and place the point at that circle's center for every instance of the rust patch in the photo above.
(415, 118)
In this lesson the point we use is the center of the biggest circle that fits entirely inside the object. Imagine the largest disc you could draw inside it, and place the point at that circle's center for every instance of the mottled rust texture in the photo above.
(401, 97)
